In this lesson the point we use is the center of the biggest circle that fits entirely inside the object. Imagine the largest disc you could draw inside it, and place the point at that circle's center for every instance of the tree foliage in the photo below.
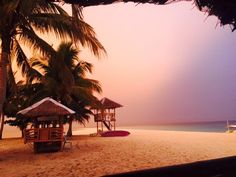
(64, 79)
(21, 23)
(225, 10)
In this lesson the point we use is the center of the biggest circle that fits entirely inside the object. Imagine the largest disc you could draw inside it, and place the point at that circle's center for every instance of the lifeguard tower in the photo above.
(105, 114)
(46, 132)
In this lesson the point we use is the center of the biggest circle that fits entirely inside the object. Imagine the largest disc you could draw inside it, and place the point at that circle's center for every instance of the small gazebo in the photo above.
(106, 114)
(46, 132)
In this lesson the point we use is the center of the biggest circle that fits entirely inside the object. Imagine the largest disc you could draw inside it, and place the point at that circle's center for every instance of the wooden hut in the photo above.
(105, 114)
(46, 132)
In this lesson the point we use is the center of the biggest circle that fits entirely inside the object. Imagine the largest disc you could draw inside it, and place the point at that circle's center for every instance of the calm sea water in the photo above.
(215, 126)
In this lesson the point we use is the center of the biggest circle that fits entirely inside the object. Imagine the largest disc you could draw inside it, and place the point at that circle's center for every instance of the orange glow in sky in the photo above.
(165, 63)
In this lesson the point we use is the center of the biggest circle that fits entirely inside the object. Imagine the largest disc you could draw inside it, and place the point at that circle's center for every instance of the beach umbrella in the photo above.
(46, 107)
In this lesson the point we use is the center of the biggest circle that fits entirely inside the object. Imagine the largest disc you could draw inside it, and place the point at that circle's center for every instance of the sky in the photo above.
(164, 63)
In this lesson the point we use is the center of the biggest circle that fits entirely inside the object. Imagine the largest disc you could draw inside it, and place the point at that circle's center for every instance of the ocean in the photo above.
(213, 126)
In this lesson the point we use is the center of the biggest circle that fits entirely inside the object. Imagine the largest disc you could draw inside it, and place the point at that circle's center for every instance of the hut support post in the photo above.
(102, 126)
(114, 119)
(62, 144)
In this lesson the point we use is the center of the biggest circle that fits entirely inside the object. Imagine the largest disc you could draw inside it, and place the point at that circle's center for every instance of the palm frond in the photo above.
(77, 11)
(90, 84)
(45, 6)
(30, 38)
(68, 53)
(65, 27)
(40, 63)
(81, 68)
(26, 6)
(82, 94)
(20, 83)
(7, 8)
(21, 58)
(33, 92)
(89, 39)
(11, 83)
(22, 62)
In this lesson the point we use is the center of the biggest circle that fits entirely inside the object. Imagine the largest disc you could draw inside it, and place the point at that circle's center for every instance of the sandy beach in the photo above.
(97, 156)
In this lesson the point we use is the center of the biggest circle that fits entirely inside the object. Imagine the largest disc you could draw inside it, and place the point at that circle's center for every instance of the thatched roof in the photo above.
(109, 104)
(225, 10)
(46, 107)
(85, 3)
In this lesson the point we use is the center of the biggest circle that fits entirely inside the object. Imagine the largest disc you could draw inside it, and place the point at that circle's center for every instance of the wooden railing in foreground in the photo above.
(43, 135)
(223, 167)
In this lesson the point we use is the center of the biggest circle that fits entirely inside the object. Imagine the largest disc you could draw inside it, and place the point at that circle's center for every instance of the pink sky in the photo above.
(165, 63)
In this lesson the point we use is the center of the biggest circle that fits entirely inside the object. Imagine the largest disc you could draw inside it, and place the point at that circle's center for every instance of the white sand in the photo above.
(96, 156)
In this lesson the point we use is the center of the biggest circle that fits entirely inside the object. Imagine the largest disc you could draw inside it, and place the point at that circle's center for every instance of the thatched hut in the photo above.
(223, 9)
(105, 113)
(46, 132)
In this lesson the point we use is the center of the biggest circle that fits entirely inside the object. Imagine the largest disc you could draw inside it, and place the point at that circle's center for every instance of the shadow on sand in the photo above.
(223, 167)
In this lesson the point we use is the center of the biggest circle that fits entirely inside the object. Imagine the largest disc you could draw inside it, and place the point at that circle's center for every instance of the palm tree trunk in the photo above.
(4, 60)
(22, 132)
(3, 75)
(69, 132)
(2, 125)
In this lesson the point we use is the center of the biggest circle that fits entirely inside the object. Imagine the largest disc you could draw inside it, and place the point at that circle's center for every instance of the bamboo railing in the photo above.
(43, 135)
(104, 117)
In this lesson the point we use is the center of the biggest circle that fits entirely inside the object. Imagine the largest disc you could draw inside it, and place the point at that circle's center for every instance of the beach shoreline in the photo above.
(97, 156)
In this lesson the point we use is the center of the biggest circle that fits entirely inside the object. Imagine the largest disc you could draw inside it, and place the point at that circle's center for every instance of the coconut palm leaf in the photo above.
(7, 8)
(20, 20)
(83, 94)
(39, 63)
(30, 38)
(22, 62)
(81, 68)
(64, 80)
(77, 11)
(11, 84)
(68, 53)
(90, 84)
(20, 56)
(28, 7)
(65, 27)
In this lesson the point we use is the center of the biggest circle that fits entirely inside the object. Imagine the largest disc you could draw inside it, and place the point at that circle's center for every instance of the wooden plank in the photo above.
(43, 135)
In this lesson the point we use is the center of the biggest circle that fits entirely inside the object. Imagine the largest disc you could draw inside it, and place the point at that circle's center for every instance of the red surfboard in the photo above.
(115, 133)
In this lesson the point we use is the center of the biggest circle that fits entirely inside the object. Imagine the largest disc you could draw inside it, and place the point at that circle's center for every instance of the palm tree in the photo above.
(223, 9)
(13, 104)
(16, 99)
(22, 19)
(64, 79)
(10, 92)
